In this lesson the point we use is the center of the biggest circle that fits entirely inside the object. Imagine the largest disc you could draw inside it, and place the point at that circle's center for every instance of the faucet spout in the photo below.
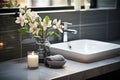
(71, 30)
(66, 30)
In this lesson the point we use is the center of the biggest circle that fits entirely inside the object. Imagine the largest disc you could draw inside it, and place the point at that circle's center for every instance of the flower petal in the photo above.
(60, 30)
(54, 21)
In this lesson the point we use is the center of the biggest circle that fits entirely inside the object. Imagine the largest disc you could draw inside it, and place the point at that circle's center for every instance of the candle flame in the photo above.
(33, 52)
(1, 44)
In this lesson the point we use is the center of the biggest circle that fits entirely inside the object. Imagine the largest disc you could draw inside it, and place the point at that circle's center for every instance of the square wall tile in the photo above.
(93, 17)
(106, 3)
(114, 15)
(7, 23)
(96, 32)
(113, 31)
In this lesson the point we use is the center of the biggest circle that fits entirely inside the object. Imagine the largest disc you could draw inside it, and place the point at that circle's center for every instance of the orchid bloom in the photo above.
(54, 21)
(58, 25)
(21, 20)
(46, 24)
(32, 23)
(33, 16)
(22, 10)
(33, 28)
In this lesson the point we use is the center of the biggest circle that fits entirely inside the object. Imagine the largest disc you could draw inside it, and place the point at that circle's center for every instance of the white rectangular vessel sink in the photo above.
(86, 50)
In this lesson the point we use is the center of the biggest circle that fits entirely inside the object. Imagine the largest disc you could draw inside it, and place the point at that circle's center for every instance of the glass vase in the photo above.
(43, 49)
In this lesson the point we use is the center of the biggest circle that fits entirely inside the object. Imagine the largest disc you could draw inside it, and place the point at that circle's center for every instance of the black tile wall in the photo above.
(9, 36)
(114, 31)
(113, 15)
(96, 32)
(93, 17)
(118, 4)
(11, 47)
(106, 3)
(7, 23)
(113, 24)
(101, 25)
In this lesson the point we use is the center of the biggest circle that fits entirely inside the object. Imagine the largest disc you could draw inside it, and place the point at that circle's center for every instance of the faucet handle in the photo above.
(66, 24)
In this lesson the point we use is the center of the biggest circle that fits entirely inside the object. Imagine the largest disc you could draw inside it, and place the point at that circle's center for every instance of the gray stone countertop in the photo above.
(17, 70)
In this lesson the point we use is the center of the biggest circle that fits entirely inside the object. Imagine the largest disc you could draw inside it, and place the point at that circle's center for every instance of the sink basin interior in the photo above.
(86, 50)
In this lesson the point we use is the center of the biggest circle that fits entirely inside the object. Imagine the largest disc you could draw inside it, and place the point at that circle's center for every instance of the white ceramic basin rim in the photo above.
(86, 50)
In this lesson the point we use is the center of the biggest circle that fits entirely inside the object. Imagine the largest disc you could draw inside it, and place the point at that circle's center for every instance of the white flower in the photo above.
(28, 11)
(33, 28)
(23, 10)
(33, 16)
(54, 21)
(32, 23)
(59, 26)
(46, 24)
(21, 20)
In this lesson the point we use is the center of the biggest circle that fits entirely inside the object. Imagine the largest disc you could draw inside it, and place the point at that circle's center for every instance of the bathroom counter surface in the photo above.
(17, 70)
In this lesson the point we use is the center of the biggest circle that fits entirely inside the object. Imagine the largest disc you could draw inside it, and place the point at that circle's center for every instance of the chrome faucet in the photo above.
(66, 30)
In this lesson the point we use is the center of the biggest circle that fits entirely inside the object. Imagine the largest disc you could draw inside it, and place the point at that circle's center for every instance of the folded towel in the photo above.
(55, 61)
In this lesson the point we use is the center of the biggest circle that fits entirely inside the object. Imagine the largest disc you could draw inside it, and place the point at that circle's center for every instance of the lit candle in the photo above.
(1, 44)
(32, 60)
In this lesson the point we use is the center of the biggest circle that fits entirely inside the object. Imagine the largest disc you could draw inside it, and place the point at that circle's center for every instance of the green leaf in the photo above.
(40, 31)
(54, 34)
(47, 19)
(22, 31)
